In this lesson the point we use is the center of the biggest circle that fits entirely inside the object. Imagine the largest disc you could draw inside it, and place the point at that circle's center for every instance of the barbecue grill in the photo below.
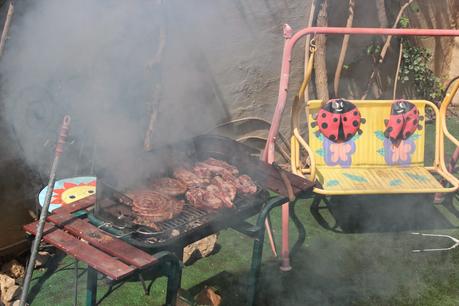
(100, 244)
(112, 211)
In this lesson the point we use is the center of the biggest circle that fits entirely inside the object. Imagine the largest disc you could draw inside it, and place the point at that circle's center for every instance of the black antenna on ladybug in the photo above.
(44, 211)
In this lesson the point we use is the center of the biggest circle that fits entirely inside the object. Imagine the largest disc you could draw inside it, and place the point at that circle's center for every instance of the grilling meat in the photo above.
(189, 178)
(204, 198)
(245, 184)
(141, 220)
(169, 186)
(226, 190)
(153, 206)
(202, 170)
(216, 167)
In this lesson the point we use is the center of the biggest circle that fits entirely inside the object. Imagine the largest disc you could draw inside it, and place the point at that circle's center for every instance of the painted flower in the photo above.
(338, 153)
(399, 154)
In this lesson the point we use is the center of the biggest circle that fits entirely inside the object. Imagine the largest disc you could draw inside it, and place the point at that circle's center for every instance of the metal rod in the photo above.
(455, 245)
(75, 288)
(44, 212)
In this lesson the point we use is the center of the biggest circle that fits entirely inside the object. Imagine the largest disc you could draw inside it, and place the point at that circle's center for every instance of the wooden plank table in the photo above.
(102, 252)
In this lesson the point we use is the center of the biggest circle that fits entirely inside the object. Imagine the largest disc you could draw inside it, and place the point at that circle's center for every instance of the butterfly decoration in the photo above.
(398, 153)
(338, 153)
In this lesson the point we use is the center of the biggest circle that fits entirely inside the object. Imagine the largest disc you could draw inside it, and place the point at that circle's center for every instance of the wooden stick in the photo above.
(320, 60)
(6, 27)
(389, 38)
(385, 48)
(398, 70)
(312, 11)
(342, 54)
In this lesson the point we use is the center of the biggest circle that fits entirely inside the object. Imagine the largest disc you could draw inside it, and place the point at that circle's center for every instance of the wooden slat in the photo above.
(110, 245)
(60, 219)
(100, 261)
(76, 206)
(31, 228)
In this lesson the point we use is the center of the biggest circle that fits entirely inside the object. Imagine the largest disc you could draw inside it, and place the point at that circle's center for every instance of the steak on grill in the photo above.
(215, 167)
(168, 186)
(204, 198)
(245, 184)
(226, 190)
(189, 178)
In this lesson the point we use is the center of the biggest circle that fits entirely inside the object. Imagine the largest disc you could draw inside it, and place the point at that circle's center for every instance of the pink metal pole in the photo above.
(289, 43)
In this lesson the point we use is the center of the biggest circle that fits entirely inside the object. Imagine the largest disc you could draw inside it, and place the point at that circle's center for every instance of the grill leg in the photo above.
(173, 272)
(257, 254)
(300, 228)
(144, 285)
(75, 285)
(91, 287)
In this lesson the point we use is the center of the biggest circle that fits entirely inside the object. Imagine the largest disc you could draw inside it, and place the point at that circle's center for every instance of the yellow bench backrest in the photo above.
(370, 148)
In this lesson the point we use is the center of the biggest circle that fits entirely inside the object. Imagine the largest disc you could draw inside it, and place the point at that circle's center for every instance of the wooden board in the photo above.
(269, 177)
(76, 206)
(60, 219)
(108, 244)
(100, 261)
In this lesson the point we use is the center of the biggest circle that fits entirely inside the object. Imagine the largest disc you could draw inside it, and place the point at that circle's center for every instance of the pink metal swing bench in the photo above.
(319, 172)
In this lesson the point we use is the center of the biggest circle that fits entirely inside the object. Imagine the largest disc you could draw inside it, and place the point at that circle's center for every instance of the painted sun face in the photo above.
(73, 192)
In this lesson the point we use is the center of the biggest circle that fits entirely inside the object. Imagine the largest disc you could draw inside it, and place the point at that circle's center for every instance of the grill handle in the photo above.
(286, 181)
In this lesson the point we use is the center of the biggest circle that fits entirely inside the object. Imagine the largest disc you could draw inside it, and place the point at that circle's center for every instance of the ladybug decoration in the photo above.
(403, 122)
(339, 120)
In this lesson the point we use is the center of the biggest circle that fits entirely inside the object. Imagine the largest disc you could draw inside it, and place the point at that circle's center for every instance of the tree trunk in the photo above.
(342, 54)
(320, 63)
(312, 11)
(382, 16)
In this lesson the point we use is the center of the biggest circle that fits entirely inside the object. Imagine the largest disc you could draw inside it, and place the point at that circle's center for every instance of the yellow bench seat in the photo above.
(368, 180)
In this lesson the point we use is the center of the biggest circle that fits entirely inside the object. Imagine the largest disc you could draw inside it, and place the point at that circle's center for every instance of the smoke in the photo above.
(94, 60)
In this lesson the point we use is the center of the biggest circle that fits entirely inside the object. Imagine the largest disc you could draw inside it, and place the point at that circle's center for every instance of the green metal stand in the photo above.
(173, 273)
(91, 287)
(257, 251)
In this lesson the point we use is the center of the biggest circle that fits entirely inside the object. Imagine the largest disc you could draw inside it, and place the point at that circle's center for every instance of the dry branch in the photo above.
(312, 12)
(385, 47)
(389, 38)
(344, 46)
(320, 63)
(381, 11)
(6, 27)
(398, 70)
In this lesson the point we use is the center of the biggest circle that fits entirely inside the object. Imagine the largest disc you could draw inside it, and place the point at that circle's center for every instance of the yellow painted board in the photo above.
(386, 179)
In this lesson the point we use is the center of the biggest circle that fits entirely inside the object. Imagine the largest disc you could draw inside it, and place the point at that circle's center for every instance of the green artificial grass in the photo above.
(374, 265)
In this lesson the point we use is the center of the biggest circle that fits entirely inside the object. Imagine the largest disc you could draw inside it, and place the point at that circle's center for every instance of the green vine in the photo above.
(415, 72)
(417, 79)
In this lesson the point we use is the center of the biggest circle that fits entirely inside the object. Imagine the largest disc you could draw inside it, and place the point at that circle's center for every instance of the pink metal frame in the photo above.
(290, 41)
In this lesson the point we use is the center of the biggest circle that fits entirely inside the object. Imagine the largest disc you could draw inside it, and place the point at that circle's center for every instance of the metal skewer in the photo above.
(455, 245)
(44, 211)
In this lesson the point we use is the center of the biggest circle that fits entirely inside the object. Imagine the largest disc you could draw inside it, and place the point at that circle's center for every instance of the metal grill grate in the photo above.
(192, 214)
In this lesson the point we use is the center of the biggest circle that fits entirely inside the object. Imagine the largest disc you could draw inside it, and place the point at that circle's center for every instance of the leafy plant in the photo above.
(415, 73)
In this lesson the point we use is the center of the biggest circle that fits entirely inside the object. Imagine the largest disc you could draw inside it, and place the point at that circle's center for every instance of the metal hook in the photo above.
(312, 44)
(455, 245)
